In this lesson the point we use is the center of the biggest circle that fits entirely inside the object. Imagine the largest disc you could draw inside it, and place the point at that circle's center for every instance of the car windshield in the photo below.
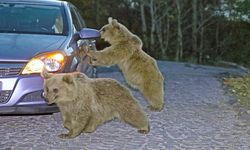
(32, 19)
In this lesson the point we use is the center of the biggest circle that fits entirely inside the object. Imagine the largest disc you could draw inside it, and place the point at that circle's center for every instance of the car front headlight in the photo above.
(51, 61)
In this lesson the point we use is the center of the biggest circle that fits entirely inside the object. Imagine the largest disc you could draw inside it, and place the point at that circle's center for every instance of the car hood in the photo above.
(25, 46)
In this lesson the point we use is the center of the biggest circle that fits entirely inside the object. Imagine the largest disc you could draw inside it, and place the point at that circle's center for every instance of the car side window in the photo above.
(80, 19)
(76, 18)
(78, 24)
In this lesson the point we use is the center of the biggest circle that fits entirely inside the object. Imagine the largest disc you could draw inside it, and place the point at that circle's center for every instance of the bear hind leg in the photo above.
(154, 96)
(136, 119)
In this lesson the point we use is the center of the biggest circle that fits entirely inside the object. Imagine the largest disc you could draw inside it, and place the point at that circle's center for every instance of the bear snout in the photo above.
(44, 96)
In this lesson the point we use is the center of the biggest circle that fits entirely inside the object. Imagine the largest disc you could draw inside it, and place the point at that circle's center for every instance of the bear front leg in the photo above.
(76, 127)
(66, 120)
(106, 57)
(94, 122)
(101, 58)
(67, 124)
(71, 134)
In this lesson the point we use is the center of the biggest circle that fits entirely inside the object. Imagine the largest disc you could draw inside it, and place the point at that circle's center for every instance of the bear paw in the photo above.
(144, 131)
(65, 136)
(93, 61)
(154, 108)
(89, 130)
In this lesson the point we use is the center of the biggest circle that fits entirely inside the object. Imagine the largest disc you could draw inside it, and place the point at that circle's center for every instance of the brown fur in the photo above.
(87, 103)
(139, 69)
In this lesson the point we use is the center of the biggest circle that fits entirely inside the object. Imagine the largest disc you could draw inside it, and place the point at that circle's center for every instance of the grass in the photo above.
(240, 86)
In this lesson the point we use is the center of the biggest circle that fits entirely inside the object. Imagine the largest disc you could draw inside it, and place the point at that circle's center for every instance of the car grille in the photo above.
(4, 96)
(32, 97)
(4, 72)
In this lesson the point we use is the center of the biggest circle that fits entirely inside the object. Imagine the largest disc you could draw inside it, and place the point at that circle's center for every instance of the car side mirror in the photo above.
(84, 33)
(88, 33)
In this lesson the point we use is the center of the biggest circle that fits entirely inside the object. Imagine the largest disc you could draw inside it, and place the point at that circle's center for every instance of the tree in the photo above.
(179, 51)
(182, 30)
(143, 23)
(194, 28)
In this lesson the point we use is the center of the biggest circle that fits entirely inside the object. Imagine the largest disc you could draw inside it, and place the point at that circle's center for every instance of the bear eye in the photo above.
(55, 90)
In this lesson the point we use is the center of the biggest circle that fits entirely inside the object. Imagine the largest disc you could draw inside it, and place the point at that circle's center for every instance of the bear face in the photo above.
(114, 31)
(59, 88)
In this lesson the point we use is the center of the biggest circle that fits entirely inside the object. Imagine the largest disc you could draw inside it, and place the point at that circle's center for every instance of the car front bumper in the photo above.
(28, 109)
(23, 95)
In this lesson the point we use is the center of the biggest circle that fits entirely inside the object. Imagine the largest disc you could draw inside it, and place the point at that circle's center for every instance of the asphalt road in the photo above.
(199, 114)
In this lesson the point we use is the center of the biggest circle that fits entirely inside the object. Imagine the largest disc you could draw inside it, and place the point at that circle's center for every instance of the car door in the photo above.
(83, 62)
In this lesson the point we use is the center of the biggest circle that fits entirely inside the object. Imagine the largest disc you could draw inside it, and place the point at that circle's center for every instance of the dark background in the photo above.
(197, 31)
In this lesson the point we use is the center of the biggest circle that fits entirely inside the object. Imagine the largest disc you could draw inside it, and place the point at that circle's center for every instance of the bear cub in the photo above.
(87, 103)
(139, 69)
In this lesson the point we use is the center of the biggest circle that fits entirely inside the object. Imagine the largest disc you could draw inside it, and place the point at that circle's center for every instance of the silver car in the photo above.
(33, 35)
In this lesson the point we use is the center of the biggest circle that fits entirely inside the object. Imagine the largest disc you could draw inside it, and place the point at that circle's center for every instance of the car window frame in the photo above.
(74, 12)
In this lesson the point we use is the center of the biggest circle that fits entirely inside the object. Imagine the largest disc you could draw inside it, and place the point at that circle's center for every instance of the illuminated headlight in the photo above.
(52, 62)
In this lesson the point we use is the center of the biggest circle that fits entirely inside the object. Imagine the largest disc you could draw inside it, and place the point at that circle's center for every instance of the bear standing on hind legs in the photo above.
(139, 69)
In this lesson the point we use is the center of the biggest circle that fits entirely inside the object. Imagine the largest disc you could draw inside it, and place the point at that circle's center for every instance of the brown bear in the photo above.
(87, 103)
(139, 69)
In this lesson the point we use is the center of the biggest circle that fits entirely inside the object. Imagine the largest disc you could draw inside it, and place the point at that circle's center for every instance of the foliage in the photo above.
(176, 30)
(241, 88)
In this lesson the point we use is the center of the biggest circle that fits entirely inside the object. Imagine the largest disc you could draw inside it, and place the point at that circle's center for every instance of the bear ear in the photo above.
(68, 79)
(110, 20)
(115, 23)
(45, 74)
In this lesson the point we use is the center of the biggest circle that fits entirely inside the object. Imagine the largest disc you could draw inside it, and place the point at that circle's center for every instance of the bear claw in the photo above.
(155, 108)
(143, 131)
(64, 136)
